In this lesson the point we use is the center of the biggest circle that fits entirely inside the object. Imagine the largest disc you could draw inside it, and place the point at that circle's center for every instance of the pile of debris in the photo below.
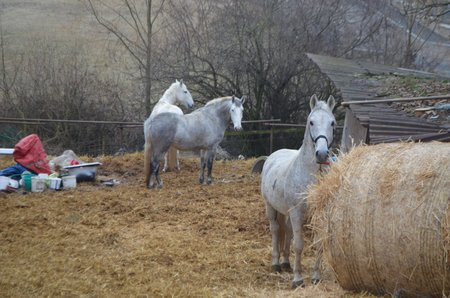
(33, 172)
(437, 111)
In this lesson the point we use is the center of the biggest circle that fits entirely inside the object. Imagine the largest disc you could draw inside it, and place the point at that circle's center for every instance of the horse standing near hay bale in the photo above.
(382, 214)
(285, 176)
(203, 130)
(177, 93)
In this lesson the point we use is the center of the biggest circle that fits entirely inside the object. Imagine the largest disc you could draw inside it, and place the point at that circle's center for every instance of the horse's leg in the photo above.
(210, 154)
(285, 265)
(154, 170)
(295, 214)
(158, 178)
(201, 178)
(274, 224)
(165, 162)
(154, 166)
(170, 160)
(315, 276)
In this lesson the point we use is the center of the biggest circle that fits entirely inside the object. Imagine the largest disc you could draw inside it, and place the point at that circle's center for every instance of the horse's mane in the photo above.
(218, 100)
(169, 90)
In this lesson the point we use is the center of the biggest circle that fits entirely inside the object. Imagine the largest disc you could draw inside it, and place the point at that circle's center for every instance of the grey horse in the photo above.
(177, 93)
(285, 177)
(203, 129)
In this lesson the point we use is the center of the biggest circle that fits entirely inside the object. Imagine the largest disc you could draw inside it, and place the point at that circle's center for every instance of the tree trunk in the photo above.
(148, 67)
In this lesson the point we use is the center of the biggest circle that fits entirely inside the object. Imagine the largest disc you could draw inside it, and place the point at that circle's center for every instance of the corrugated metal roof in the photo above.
(384, 123)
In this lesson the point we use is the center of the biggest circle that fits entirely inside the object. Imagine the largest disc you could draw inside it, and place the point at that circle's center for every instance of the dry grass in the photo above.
(185, 240)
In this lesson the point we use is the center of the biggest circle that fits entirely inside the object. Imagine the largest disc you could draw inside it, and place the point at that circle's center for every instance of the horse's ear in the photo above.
(176, 81)
(233, 99)
(181, 82)
(313, 101)
(331, 102)
(243, 99)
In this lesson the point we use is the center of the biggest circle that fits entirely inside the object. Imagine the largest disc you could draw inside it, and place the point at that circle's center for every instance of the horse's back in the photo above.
(163, 107)
(162, 128)
(273, 177)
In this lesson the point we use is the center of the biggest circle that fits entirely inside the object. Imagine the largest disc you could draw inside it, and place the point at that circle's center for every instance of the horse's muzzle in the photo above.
(321, 156)
(237, 128)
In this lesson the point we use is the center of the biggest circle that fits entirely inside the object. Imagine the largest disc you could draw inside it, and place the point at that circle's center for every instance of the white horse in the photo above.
(285, 177)
(203, 129)
(177, 93)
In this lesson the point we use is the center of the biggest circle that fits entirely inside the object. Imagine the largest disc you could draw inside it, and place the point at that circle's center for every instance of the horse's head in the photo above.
(321, 124)
(182, 94)
(236, 111)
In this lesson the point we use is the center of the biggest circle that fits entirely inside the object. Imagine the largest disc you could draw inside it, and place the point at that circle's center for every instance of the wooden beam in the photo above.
(124, 124)
(387, 100)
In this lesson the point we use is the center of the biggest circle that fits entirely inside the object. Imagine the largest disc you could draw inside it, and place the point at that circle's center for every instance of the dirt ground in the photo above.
(185, 240)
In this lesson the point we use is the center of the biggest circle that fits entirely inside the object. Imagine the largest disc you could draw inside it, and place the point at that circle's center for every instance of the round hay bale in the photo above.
(382, 213)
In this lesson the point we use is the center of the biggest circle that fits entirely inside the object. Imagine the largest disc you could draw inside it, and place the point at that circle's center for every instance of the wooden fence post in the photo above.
(271, 140)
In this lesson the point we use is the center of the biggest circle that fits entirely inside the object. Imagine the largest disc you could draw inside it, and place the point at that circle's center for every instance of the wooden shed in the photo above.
(376, 122)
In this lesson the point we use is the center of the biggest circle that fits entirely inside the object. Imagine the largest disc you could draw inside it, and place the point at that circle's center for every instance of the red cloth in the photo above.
(30, 153)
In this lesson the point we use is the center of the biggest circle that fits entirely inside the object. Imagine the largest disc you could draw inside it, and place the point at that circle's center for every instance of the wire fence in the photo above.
(94, 138)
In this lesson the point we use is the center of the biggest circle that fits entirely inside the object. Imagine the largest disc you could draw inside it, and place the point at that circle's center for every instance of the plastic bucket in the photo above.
(37, 184)
(54, 183)
(4, 181)
(14, 184)
(27, 181)
(69, 182)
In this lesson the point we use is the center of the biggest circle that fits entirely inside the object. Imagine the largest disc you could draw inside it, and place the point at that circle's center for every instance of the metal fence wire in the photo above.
(94, 139)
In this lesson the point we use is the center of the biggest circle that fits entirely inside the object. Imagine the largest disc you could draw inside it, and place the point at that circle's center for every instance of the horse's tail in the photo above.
(147, 154)
(147, 161)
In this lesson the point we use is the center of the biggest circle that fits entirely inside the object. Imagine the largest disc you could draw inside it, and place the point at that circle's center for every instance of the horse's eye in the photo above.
(332, 123)
(311, 123)
(185, 91)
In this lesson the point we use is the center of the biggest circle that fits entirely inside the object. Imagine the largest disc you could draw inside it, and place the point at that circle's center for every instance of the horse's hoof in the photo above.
(286, 267)
(201, 180)
(298, 284)
(209, 182)
(160, 185)
(276, 268)
(315, 281)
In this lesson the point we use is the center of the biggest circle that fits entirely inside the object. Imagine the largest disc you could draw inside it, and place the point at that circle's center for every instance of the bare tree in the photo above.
(434, 8)
(256, 48)
(134, 31)
(8, 78)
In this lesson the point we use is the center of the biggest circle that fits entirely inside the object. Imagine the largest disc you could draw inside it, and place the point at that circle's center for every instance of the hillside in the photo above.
(58, 19)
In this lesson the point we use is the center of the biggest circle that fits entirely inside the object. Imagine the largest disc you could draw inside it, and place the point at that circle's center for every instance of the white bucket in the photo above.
(37, 184)
(43, 176)
(54, 183)
(69, 182)
(4, 181)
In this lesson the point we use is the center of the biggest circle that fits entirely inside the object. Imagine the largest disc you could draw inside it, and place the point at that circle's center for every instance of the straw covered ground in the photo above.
(185, 240)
